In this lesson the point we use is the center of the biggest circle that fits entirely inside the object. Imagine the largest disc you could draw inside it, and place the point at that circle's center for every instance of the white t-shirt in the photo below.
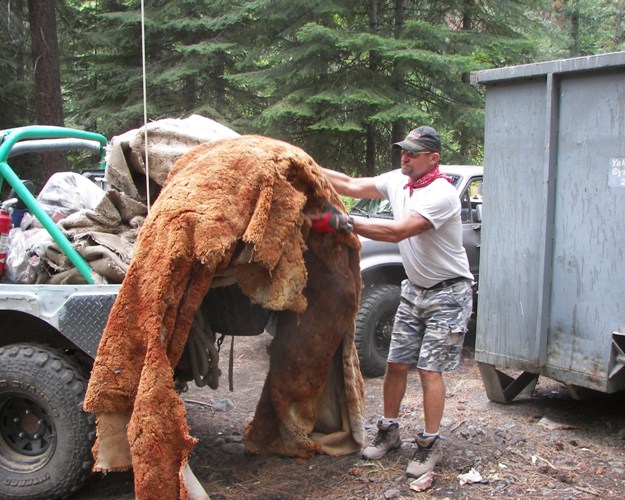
(436, 254)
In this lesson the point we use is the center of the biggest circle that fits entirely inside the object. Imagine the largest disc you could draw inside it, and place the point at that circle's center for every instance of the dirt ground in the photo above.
(547, 445)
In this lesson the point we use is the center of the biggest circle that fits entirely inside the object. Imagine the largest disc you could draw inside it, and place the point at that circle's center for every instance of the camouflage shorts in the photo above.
(430, 326)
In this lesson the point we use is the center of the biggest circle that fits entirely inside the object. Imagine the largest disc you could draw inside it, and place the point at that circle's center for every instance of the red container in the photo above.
(5, 227)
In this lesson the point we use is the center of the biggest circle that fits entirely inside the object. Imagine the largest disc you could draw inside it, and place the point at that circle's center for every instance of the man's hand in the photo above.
(330, 223)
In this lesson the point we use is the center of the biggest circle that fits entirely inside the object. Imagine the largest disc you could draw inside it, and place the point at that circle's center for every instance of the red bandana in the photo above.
(426, 180)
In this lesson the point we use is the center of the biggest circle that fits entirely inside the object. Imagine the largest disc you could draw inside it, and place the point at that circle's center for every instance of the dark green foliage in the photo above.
(16, 87)
(335, 77)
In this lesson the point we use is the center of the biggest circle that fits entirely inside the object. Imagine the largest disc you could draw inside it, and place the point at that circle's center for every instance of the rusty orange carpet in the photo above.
(251, 192)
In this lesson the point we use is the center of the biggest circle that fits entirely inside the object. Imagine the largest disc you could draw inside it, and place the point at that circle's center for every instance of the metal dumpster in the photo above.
(552, 264)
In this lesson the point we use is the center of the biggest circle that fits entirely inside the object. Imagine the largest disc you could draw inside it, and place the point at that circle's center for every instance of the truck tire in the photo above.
(374, 324)
(45, 436)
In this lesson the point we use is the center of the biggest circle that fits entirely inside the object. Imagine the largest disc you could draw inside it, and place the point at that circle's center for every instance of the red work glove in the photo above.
(330, 223)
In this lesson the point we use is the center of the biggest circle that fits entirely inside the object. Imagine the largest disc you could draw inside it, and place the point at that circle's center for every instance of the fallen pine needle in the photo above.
(547, 462)
(456, 426)
(201, 403)
(590, 490)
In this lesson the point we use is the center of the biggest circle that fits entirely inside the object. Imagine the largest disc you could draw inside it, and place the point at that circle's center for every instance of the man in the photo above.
(436, 299)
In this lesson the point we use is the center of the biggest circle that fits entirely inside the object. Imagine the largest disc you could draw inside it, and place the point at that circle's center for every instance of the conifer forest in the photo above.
(341, 79)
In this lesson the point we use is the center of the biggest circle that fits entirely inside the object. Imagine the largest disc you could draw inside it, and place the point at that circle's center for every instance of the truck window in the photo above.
(470, 199)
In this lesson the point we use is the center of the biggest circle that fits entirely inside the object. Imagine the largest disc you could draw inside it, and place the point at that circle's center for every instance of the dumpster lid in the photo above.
(560, 66)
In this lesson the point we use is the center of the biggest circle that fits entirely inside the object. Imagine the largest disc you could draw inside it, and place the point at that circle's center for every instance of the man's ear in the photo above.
(435, 157)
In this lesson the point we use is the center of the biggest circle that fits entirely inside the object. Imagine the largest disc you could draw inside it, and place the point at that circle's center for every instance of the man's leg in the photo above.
(403, 353)
(429, 450)
(395, 381)
(433, 399)
(441, 351)
(394, 389)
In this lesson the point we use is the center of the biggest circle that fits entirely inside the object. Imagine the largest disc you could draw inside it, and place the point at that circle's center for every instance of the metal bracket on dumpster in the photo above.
(501, 388)
(617, 361)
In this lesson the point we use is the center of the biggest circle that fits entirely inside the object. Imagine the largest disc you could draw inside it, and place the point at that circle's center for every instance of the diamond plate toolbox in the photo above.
(83, 318)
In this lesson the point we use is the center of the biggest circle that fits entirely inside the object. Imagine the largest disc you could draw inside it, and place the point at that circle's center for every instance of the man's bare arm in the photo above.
(360, 187)
(390, 230)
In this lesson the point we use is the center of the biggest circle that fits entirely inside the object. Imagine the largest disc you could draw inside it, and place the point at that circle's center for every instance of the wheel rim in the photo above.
(383, 331)
(25, 427)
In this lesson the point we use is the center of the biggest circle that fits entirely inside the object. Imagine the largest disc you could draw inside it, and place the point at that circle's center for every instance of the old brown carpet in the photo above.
(251, 191)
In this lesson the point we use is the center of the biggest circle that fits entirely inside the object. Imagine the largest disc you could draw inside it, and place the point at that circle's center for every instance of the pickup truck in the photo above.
(382, 269)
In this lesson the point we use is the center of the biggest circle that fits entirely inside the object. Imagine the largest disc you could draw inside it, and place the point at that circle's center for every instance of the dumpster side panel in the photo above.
(511, 240)
(588, 259)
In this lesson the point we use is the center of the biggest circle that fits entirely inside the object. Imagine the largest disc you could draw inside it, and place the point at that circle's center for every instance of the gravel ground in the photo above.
(543, 445)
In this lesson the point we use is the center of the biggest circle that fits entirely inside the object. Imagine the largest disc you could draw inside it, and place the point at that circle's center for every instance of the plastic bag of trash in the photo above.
(471, 477)
(423, 482)
(68, 192)
(26, 248)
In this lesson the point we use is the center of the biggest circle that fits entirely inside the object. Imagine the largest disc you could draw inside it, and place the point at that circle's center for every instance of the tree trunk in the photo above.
(374, 58)
(574, 52)
(618, 23)
(14, 105)
(461, 130)
(219, 83)
(47, 74)
(398, 127)
(189, 92)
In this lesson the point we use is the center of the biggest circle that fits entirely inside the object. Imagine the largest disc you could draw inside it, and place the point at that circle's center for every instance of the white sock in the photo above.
(389, 421)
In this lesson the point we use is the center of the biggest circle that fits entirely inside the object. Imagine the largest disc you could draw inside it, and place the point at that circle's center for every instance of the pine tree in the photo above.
(47, 76)
(190, 46)
(581, 27)
(340, 79)
(17, 89)
(345, 80)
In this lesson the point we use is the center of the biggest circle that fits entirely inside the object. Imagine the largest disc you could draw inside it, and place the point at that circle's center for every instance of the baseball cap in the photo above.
(422, 138)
